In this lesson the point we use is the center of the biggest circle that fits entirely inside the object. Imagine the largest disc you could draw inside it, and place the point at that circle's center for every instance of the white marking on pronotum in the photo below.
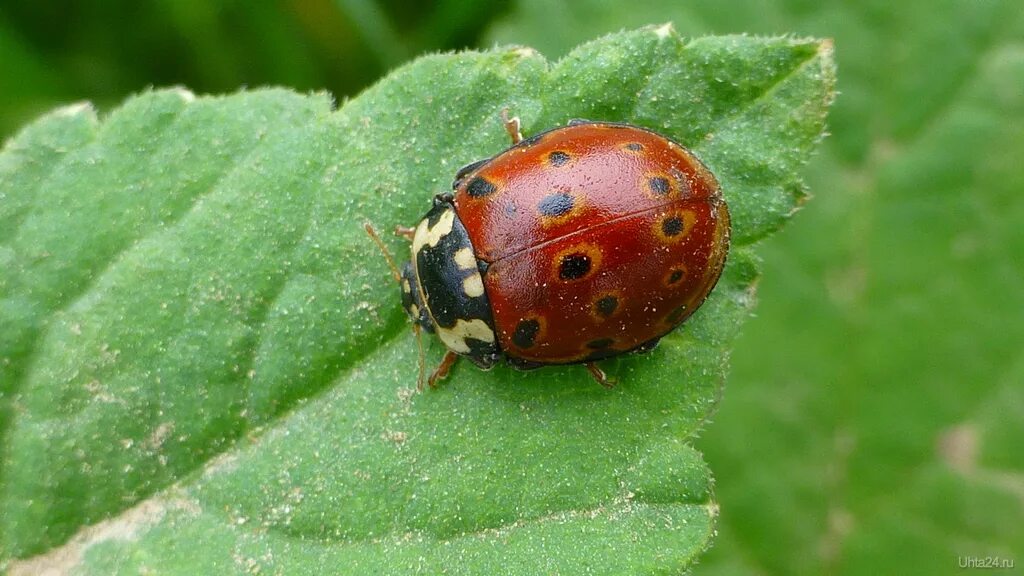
(473, 286)
(430, 235)
(464, 259)
(455, 337)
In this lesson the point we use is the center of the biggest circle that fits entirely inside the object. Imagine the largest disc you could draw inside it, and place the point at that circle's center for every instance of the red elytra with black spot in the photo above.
(578, 244)
(599, 239)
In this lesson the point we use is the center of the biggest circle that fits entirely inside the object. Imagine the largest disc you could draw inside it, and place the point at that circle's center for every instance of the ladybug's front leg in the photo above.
(442, 370)
(405, 232)
(600, 376)
(512, 126)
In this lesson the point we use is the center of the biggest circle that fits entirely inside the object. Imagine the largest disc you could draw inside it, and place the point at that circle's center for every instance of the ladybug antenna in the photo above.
(422, 360)
(383, 250)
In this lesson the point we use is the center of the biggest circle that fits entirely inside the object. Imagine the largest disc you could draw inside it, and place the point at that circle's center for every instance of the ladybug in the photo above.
(580, 243)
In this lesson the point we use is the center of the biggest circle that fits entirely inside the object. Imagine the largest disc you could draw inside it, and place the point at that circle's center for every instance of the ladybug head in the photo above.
(412, 298)
(443, 288)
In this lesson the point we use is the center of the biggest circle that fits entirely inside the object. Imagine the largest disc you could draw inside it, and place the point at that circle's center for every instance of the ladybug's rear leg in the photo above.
(512, 126)
(600, 375)
(442, 369)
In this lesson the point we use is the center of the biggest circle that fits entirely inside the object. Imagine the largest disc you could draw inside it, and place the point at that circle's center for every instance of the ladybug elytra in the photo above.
(577, 244)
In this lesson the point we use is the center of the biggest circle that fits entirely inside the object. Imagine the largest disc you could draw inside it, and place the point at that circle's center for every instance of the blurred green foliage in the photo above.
(875, 413)
(55, 52)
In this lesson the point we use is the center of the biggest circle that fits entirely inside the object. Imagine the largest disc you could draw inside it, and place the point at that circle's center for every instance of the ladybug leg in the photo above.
(512, 126)
(600, 376)
(420, 357)
(405, 232)
(442, 370)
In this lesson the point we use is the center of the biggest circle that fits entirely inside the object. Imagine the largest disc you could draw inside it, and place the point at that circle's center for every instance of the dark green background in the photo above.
(54, 52)
(875, 413)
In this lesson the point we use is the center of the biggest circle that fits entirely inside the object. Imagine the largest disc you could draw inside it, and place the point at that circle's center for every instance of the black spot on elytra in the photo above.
(526, 333)
(675, 276)
(676, 315)
(600, 343)
(647, 346)
(574, 266)
(558, 158)
(672, 226)
(555, 205)
(634, 146)
(480, 187)
(606, 306)
(659, 185)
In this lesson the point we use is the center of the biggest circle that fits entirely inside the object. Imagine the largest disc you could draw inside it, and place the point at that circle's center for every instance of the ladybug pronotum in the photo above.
(580, 243)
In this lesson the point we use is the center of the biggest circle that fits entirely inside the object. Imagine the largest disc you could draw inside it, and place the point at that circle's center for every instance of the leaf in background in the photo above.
(874, 418)
(209, 370)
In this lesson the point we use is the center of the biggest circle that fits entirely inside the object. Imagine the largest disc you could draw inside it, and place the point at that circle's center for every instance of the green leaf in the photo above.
(209, 370)
(874, 418)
